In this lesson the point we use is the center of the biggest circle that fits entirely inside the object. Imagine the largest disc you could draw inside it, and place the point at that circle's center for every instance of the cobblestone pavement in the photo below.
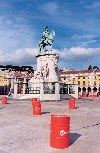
(22, 132)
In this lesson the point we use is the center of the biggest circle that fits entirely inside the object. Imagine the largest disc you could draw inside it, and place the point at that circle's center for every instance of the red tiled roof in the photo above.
(22, 75)
(79, 71)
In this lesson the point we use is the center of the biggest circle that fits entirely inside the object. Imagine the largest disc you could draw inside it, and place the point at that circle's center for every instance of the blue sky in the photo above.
(75, 22)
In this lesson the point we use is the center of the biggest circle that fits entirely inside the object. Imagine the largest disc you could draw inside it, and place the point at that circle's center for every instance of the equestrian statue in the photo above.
(46, 40)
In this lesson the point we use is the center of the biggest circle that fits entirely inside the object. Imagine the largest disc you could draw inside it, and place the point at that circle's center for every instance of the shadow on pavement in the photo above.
(45, 112)
(2, 107)
(76, 107)
(74, 137)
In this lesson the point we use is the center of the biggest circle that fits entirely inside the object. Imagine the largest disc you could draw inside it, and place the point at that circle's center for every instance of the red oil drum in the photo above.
(37, 108)
(59, 131)
(71, 103)
(33, 101)
(4, 100)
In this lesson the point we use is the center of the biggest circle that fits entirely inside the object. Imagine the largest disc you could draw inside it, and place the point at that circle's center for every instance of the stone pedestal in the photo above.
(47, 72)
(47, 66)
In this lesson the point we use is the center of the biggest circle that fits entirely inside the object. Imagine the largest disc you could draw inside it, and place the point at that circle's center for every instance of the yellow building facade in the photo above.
(4, 83)
(3, 79)
(88, 81)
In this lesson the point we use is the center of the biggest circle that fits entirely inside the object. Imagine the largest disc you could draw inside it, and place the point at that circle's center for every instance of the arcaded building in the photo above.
(88, 81)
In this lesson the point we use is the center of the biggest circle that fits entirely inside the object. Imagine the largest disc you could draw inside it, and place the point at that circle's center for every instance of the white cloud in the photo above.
(77, 53)
(67, 57)
(19, 57)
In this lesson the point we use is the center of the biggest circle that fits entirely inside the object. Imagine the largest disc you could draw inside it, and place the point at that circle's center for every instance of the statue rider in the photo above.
(45, 34)
(47, 39)
(44, 39)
